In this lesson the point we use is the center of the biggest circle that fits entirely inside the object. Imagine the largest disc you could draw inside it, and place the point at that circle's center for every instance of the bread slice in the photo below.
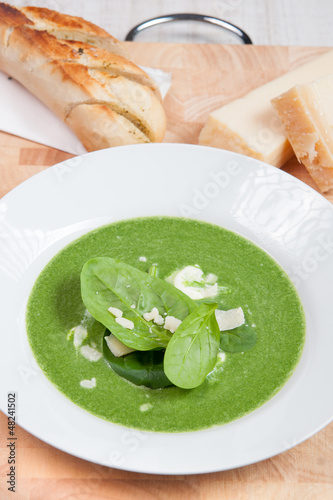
(74, 77)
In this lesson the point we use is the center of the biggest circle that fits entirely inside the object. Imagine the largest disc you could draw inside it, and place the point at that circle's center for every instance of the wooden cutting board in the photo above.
(204, 77)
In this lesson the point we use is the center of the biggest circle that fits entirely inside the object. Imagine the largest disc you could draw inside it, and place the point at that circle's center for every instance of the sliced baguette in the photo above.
(78, 80)
(39, 46)
(66, 27)
(98, 127)
(62, 26)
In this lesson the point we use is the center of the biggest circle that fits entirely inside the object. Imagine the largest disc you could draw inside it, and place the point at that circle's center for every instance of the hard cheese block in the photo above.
(249, 125)
(307, 114)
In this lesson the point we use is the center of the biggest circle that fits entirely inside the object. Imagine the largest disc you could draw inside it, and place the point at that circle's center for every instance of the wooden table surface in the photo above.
(204, 77)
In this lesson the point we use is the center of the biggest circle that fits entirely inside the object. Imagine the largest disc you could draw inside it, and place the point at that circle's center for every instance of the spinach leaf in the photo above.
(139, 367)
(239, 339)
(192, 351)
(106, 282)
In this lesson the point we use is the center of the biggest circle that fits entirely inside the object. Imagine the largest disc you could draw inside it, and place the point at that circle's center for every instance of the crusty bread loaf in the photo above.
(78, 70)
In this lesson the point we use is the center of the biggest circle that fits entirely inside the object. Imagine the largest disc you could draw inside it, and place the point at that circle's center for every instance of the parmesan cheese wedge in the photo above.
(155, 316)
(249, 126)
(228, 320)
(126, 323)
(307, 114)
(117, 347)
(172, 323)
(116, 312)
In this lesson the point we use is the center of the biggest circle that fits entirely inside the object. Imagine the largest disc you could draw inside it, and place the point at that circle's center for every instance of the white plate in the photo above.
(281, 214)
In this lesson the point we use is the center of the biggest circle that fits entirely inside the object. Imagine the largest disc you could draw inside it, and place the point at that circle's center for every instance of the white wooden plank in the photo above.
(268, 22)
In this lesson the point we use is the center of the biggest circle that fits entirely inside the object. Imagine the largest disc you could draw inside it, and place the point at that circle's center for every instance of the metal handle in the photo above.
(188, 17)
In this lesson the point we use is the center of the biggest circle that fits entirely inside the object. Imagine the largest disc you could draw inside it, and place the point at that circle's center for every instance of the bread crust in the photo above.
(40, 45)
(53, 19)
(63, 26)
(98, 127)
(79, 80)
(10, 16)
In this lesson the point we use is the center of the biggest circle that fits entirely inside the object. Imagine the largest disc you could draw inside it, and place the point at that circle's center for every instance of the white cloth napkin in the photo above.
(22, 114)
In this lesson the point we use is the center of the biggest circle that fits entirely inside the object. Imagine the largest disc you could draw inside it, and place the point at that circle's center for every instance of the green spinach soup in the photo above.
(229, 285)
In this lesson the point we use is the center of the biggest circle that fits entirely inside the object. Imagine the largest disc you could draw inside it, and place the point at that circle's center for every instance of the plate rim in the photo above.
(47, 172)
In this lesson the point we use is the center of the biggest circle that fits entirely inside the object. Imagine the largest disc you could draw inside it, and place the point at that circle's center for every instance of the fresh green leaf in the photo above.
(139, 367)
(239, 339)
(106, 282)
(192, 351)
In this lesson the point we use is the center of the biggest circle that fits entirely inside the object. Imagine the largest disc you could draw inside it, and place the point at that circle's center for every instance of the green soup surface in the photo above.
(238, 385)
